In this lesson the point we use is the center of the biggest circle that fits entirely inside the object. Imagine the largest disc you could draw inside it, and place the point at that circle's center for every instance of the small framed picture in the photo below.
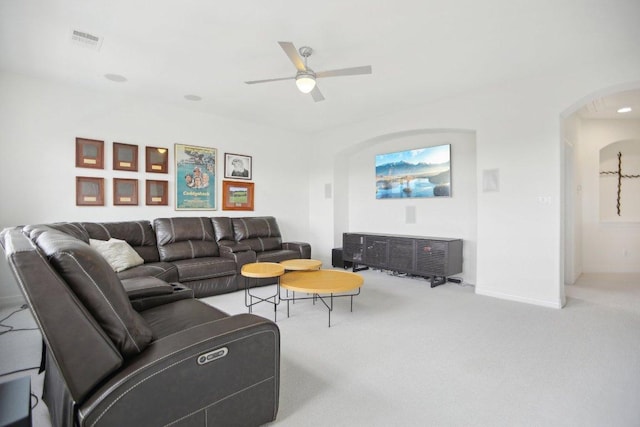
(237, 196)
(125, 191)
(89, 153)
(157, 193)
(89, 191)
(157, 159)
(125, 157)
(237, 166)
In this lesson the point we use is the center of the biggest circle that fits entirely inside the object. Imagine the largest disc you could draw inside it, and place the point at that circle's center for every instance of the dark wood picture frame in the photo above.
(125, 157)
(157, 193)
(125, 192)
(237, 195)
(157, 159)
(237, 166)
(89, 153)
(89, 191)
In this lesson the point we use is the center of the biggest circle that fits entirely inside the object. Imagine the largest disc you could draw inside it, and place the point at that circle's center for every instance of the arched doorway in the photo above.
(590, 243)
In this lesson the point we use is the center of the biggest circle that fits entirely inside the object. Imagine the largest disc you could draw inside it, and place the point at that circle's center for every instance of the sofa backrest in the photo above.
(261, 233)
(138, 234)
(98, 288)
(74, 229)
(223, 229)
(185, 238)
(80, 348)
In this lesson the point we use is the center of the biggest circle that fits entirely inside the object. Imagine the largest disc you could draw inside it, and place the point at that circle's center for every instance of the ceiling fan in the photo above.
(305, 77)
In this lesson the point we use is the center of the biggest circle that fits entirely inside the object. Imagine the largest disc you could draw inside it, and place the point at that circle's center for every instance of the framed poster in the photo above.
(195, 177)
(125, 157)
(237, 166)
(89, 191)
(157, 193)
(237, 196)
(156, 159)
(89, 153)
(125, 191)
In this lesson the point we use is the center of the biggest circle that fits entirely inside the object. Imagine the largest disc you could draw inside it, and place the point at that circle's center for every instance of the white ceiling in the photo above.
(420, 50)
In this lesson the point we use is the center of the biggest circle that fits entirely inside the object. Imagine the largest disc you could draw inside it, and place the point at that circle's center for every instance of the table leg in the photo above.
(248, 298)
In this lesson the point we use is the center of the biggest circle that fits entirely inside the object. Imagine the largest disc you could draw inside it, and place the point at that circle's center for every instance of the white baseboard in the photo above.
(533, 301)
(12, 301)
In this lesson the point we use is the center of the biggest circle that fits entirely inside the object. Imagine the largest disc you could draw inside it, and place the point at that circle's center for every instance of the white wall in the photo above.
(40, 121)
(572, 201)
(518, 132)
(453, 217)
(517, 128)
(608, 245)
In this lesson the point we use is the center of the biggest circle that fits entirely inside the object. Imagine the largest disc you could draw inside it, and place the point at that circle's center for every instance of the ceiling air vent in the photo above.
(85, 39)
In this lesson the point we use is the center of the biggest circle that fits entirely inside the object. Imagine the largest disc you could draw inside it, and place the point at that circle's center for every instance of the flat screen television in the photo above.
(423, 172)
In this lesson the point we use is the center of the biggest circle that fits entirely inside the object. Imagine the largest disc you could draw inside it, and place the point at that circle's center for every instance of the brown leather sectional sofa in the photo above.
(134, 348)
(201, 253)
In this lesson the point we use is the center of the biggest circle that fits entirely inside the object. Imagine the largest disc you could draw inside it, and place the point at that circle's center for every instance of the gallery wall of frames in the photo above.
(195, 183)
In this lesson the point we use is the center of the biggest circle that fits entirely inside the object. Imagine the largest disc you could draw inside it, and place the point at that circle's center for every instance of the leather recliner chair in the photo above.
(180, 363)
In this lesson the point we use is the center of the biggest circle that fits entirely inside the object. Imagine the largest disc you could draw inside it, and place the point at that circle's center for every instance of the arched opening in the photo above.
(595, 239)
(356, 208)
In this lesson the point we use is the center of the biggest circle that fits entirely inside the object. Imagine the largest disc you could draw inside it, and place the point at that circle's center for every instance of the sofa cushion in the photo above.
(260, 233)
(185, 238)
(168, 319)
(223, 228)
(138, 234)
(97, 286)
(118, 253)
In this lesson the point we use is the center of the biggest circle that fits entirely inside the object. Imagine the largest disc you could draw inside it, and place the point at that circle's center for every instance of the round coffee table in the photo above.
(261, 270)
(319, 282)
(301, 264)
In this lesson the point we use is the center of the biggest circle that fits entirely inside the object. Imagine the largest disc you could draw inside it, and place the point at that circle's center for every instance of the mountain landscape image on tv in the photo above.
(423, 172)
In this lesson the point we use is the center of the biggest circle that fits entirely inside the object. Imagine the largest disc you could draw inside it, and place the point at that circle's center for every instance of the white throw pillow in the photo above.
(118, 253)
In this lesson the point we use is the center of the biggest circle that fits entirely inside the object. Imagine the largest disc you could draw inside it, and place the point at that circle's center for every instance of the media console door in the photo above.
(431, 257)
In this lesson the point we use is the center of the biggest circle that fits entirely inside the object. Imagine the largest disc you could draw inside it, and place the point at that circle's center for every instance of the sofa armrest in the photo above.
(179, 292)
(145, 286)
(202, 374)
(304, 249)
(229, 246)
(240, 258)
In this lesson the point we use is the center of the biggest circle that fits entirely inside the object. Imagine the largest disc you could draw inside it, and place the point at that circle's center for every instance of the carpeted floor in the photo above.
(410, 355)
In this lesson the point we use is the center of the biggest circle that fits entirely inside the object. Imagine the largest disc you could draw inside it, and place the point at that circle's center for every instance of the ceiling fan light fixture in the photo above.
(305, 81)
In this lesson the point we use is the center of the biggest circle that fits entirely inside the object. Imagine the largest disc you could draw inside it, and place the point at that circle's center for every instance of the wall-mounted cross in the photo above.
(620, 176)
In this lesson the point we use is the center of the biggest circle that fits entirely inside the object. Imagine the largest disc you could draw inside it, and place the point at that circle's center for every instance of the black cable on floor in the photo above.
(19, 370)
(37, 401)
(11, 328)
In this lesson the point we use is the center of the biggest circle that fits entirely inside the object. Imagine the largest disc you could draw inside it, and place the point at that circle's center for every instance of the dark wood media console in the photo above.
(432, 257)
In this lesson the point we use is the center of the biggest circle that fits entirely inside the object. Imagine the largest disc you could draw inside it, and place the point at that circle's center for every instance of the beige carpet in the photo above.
(410, 355)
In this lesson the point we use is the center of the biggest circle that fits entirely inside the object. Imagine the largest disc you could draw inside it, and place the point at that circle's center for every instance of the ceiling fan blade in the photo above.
(269, 80)
(292, 53)
(354, 71)
(316, 94)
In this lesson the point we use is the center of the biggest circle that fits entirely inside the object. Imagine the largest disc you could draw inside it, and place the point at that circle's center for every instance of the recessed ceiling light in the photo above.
(193, 97)
(624, 110)
(115, 78)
